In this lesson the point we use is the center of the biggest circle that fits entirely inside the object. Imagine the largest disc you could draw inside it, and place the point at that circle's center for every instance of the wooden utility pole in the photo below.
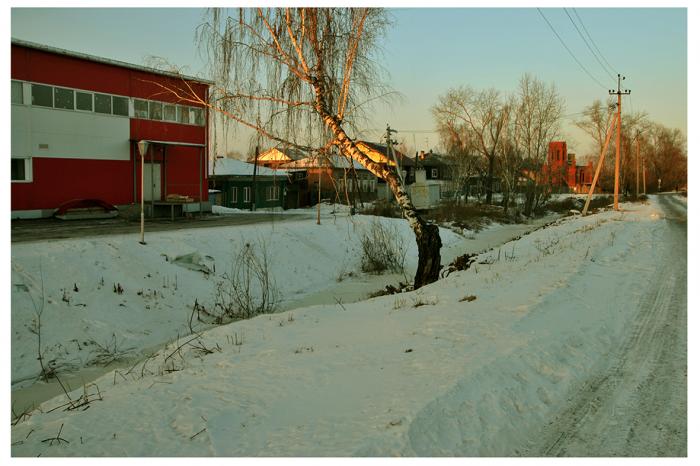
(637, 163)
(600, 165)
(255, 175)
(390, 153)
(619, 94)
(644, 174)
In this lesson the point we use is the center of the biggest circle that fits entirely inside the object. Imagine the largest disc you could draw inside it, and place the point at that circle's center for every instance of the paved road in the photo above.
(50, 228)
(638, 405)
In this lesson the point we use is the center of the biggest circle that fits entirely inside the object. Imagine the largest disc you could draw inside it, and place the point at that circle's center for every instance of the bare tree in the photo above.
(510, 158)
(455, 141)
(481, 114)
(298, 76)
(540, 108)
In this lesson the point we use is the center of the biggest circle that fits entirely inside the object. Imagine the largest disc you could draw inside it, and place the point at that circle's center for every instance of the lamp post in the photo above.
(143, 149)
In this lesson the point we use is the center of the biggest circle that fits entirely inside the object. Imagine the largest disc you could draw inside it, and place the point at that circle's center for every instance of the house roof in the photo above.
(382, 149)
(233, 167)
(108, 61)
(291, 153)
(334, 160)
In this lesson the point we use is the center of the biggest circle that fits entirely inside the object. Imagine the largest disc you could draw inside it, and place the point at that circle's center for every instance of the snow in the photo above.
(226, 167)
(424, 373)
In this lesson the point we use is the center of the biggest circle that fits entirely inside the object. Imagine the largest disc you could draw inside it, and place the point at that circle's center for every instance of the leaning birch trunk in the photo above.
(427, 235)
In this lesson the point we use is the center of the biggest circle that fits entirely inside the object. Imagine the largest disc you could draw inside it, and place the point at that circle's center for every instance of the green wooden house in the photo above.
(234, 178)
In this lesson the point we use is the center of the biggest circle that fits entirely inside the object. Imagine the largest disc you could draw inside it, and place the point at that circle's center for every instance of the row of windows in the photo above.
(71, 99)
(272, 193)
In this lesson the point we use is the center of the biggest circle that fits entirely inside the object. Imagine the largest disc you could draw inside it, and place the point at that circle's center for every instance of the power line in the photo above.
(569, 50)
(587, 45)
(593, 42)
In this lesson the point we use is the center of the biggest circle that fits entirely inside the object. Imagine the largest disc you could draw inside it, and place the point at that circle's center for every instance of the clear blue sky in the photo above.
(428, 51)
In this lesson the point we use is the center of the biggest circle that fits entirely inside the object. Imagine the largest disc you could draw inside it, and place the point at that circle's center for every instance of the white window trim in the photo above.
(273, 193)
(234, 195)
(246, 194)
(24, 93)
(433, 173)
(28, 174)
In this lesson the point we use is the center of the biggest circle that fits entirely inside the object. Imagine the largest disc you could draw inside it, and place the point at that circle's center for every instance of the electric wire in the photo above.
(588, 45)
(569, 50)
(593, 42)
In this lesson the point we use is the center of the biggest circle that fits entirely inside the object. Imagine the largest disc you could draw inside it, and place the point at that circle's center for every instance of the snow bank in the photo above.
(424, 373)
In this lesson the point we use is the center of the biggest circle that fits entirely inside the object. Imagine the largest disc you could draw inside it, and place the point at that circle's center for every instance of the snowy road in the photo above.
(637, 405)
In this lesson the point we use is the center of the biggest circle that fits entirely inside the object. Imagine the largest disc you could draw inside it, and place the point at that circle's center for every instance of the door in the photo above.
(151, 181)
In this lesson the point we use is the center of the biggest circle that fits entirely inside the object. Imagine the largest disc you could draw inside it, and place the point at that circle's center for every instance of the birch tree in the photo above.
(298, 77)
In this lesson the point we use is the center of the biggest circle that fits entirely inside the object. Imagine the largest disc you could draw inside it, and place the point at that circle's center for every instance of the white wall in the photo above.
(68, 134)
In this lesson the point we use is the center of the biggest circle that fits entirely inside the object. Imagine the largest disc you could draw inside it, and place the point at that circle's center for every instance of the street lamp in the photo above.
(143, 149)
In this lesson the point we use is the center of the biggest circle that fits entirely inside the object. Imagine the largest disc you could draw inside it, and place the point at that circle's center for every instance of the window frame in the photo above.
(28, 175)
(174, 107)
(114, 97)
(434, 173)
(234, 195)
(246, 195)
(56, 91)
(21, 92)
(273, 193)
(94, 102)
(38, 85)
(155, 103)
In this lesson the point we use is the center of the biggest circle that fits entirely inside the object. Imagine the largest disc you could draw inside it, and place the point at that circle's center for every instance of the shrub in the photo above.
(383, 248)
(248, 289)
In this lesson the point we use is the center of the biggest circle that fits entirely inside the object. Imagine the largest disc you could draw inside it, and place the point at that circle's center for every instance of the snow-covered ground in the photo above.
(469, 365)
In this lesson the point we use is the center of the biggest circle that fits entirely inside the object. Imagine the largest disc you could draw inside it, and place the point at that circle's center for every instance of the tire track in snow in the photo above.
(638, 406)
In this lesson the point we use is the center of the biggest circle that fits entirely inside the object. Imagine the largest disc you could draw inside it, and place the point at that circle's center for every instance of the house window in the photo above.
(273, 193)
(169, 113)
(246, 194)
(183, 115)
(42, 95)
(155, 110)
(120, 106)
(103, 103)
(234, 195)
(17, 93)
(434, 173)
(197, 116)
(140, 108)
(83, 101)
(63, 98)
(21, 169)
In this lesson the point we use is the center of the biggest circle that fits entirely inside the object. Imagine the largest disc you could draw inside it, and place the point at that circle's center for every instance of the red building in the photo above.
(76, 122)
(561, 170)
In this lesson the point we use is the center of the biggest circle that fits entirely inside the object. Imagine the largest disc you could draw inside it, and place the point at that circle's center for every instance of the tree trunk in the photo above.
(427, 235)
(489, 181)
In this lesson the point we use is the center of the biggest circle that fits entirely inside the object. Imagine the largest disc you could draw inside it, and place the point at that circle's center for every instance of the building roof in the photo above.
(233, 167)
(335, 161)
(108, 61)
(290, 153)
(381, 148)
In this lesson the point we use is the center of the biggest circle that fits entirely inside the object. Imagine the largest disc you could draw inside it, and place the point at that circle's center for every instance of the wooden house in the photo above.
(240, 184)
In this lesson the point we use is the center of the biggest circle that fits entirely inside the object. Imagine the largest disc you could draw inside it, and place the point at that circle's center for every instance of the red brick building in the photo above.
(562, 172)
(76, 121)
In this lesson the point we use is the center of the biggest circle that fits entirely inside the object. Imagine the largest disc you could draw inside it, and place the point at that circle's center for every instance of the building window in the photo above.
(63, 98)
(21, 170)
(273, 193)
(234, 195)
(42, 95)
(103, 103)
(155, 110)
(169, 113)
(433, 173)
(246, 194)
(183, 115)
(17, 93)
(140, 108)
(83, 101)
(197, 116)
(120, 106)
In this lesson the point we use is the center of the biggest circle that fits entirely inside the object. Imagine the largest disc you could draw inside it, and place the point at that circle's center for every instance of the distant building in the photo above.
(561, 170)
(277, 156)
(76, 120)
(239, 188)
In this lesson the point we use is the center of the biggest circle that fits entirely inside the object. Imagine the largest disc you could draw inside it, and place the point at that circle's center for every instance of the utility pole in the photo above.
(644, 174)
(390, 153)
(255, 174)
(637, 192)
(619, 94)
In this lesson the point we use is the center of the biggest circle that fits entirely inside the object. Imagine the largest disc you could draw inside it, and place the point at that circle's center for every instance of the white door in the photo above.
(151, 181)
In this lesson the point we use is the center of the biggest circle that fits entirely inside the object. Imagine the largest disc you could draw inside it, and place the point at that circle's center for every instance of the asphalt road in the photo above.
(637, 406)
(51, 228)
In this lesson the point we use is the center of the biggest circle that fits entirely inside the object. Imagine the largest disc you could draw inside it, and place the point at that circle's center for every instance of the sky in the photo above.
(429, 50)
